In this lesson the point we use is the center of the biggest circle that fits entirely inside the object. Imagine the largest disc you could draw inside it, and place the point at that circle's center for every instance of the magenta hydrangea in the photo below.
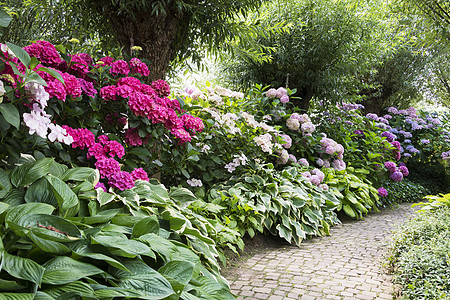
(137, 66)
(101, 186)
(182, 135)
(96, 151)
(78, 66)
(121, 180)
(107, 167)
(82, 137)
(119, 67)
(72, 85)
(87, 87)
(404, 170)
(114, 148)
(161, 87)
(139, 173)
(132, 137)
(45, 52)
(192, 123)
(108, 93)
(382, 192)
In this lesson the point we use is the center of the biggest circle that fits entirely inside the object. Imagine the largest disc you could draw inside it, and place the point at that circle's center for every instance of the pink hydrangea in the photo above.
(161, 88)
(78, 66)
(339, 165)
(87, 87)
(288, 141)
(86, 57)
(73, 87)
(130, 81)
(108, 93)
(139, 173)
(382, 192)
(103, 139)
(82, 138)
(192, 123)
(132, 137)
(101, 186)
(396, 176)
(114, 148)
(281, 91)
(121, 180)
(271, 93)
(306, 174)
(324, 186)
(119, 67)
(96, 151)
(107, 61)
(56, 89)
(125, 91)
(391, 166)
(315, 179)
(157, 114)
(292, 158)
(107, 167)
(141, 104)
(45, 52)
(284, 99)
(182, 135)
(137, 66)
(303, 162)
(173, 121)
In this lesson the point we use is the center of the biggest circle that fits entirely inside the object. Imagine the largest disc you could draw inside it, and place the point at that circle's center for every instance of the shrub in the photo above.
(403, 191)
(419, 256)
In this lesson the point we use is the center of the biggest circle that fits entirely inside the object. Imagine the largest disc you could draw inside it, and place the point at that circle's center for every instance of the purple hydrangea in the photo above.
(396, 176)
(404, 170)
(389, 136)
(382, 192)
(304, 162)
(391, 166)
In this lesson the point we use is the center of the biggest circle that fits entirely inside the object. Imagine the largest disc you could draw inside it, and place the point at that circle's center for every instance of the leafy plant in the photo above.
(284, 204)
(418, 256)
(62, 238)
(434, 202)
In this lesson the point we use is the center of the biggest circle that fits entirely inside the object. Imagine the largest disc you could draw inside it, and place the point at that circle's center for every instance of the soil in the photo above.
(258, 244)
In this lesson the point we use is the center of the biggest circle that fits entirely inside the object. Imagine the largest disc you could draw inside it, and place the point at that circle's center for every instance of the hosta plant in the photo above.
(283, 203)
(61, 238)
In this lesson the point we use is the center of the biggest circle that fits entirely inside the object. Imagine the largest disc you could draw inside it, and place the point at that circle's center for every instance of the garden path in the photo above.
(346, 265)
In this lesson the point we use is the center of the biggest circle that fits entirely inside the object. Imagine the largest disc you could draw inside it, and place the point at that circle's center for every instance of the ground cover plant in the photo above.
(419, 255)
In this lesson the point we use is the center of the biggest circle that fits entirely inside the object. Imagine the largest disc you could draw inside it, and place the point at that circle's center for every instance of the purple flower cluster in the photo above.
(396, 173)
(382, 192)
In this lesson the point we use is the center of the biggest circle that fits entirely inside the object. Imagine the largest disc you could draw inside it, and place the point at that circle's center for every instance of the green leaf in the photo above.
(5, 19)
(53, 73)
(10, 113)
(80, 174)
(5, 184)
(182, 195)
(41, 191)
(16, 296)
(22, 268)
(104, 197)
(46, 245)
(146, 225)
(91, 252)
(16, 213)
(180, 271)
(58, 229)
(65, 291)
(143, 279)
(140, 151)
(35, 78)
(30, 172)
(21, 54)
(63, 269)
(349, 211)
(64, 195)
(119, 244)
(162, 246)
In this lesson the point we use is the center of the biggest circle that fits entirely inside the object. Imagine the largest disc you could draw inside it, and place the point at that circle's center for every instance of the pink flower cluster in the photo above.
(334, 152)
(150, 101)
(280, 93)
(82, 137)
(396, 173)
(45, 52)
(138, 67)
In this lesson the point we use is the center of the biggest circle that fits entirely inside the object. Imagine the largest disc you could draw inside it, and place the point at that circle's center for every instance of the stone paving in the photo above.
(346, 265)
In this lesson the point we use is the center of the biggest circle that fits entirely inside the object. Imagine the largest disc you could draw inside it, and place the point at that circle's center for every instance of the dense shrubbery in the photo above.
(419, 256)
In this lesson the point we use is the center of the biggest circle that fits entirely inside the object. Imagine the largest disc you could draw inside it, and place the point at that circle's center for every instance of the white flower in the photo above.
(59, 134)
(6, 49)
(194, 182)
(205, 148)
(38, 93)
(37, 121)
(2, 89)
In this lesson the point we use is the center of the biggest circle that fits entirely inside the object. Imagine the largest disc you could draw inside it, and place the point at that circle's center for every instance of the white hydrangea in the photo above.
(194, 182)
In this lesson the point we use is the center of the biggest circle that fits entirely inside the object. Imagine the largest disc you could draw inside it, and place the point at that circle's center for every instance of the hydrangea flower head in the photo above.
(382, 192)
(396, 176)
(161, 88)
(119, 67)
(391, 166)
(140, 174)
(121, 180)
(303, 162)
(107, 167)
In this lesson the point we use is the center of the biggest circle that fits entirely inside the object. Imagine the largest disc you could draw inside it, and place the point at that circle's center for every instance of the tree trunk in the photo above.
(157, 35)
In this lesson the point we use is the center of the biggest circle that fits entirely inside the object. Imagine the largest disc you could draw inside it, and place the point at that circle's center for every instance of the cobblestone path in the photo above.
(346, 265)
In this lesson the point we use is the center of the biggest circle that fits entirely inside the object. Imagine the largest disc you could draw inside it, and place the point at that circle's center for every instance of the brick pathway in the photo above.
(345, 265)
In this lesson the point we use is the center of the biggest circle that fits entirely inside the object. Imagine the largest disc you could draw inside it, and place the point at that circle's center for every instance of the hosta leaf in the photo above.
(104, 197)
(107, 292)
(16, 213)
(48, 246)
(211, 289)
(196, 233)
(5, 19)
(80, 174)
(164, 247)
(180, 271)
(41, 191)
(154, 193)
(143, 279)
(16, 296)
(119, 245)
(284, 232)
(57, 169)
(15, 197)
(18, 173)
(22, 268)
(101, 217)
(58, 229)
(39, 169)
(182, 195)
(64, 195)
(146, 225)
(349, 211)
(77, 287)
(63, 269)
(5, 184)
(43, 296)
